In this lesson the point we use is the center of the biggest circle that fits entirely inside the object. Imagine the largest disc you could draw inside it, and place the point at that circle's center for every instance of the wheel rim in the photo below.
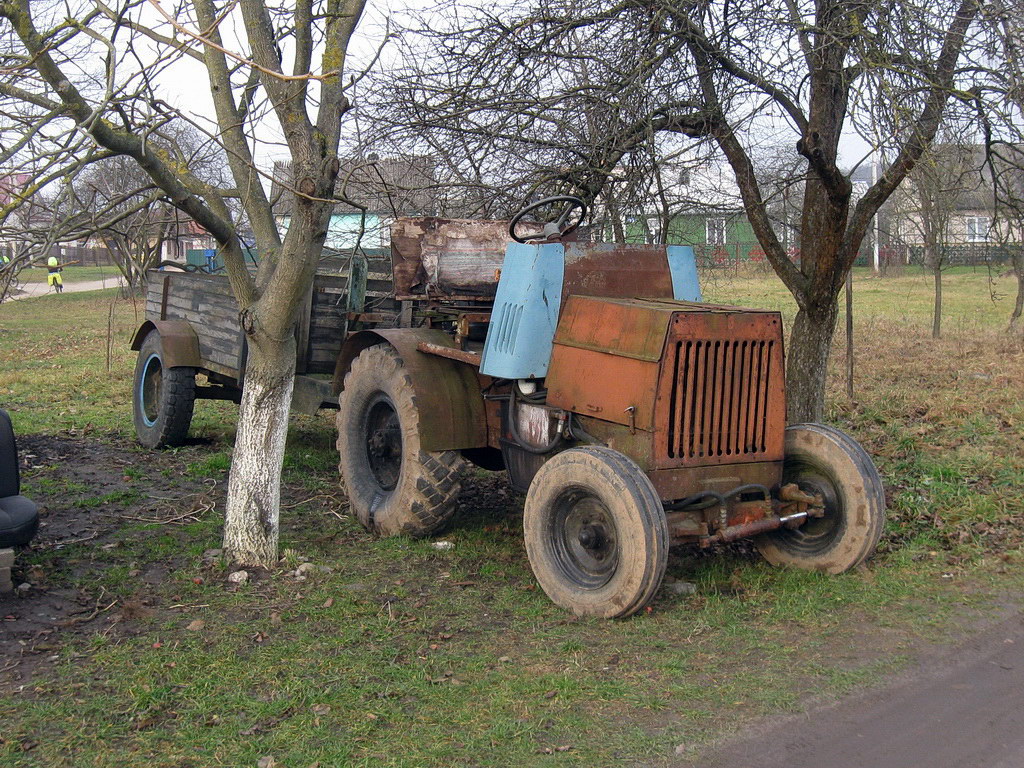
(150, 388)
(383, 441)
(817, 534)
(584, 538)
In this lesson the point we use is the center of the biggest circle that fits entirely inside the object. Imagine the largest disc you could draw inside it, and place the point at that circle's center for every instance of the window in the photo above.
(977, 229)
(715, 231)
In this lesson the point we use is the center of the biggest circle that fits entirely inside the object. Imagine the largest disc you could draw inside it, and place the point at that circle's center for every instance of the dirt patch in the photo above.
(957, 707)
(95, 494)
(87, 490)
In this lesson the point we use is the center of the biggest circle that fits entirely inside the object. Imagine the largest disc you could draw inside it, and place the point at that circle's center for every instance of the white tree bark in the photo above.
(251, 520)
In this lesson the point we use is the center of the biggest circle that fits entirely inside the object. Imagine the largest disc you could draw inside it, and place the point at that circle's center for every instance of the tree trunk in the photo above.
(254, 484)
(807, 363)
(1018, 307)
(937, 309)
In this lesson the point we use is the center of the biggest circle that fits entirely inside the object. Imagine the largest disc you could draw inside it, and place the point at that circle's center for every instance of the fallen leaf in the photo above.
(196, 625)
(505, 659)
(321, 709)
(328, 602)
(550, 694)
(266, 762)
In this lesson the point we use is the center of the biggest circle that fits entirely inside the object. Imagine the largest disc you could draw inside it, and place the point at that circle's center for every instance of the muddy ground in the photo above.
(90, 493)
(44, 612)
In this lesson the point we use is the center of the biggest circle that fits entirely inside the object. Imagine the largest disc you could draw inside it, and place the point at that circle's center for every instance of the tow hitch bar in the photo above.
(806, 504)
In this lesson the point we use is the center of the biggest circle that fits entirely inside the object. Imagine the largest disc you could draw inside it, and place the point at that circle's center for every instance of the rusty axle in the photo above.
(754, 528)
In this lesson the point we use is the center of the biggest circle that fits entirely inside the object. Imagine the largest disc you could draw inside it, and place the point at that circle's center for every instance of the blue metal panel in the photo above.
(518, 344)
(683, 266)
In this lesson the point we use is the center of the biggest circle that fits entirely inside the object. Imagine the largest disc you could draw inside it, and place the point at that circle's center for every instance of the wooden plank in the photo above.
(302, 332)
(218, 311)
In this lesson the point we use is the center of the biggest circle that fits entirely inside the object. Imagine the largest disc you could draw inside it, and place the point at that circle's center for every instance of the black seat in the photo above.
(19, 517)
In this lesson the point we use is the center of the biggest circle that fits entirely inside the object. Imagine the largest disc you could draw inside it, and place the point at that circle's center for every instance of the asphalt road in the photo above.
(963, 709)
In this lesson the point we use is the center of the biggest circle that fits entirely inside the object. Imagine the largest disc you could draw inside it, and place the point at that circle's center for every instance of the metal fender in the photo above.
(451, 408)
(177, 338)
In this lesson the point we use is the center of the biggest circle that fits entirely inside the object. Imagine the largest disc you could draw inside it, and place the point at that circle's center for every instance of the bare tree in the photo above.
(116, 200)
(946, 178)
(1007, 19)
(571, 87)
(91, 80)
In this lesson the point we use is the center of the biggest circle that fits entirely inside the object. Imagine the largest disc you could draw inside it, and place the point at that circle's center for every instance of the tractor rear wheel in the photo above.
(393, 485)
(822, 459)
(163, 398)
(596, 533)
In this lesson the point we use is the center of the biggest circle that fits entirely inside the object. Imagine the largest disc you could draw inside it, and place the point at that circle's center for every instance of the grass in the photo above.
(403, 655)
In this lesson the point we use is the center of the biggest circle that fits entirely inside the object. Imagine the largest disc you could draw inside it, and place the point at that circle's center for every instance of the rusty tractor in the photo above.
(633, 415)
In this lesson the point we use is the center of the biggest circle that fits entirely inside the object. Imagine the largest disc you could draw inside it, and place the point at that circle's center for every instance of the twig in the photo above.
(311, 498)
(241, 59)
(59, 544)
(83, 619)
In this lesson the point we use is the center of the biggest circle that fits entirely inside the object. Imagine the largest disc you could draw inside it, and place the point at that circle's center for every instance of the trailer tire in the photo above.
(394, 486)
(162, 398)
(596, 533)
(822, 459)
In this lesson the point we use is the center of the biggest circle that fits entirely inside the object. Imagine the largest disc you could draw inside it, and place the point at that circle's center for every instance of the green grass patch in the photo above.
(391, 652)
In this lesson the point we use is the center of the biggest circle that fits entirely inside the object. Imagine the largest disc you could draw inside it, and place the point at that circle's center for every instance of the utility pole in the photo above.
(874, 180)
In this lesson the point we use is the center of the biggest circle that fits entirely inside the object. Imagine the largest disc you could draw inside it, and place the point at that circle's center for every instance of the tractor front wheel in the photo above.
(596, 533)
(393, 485)
(822, 460)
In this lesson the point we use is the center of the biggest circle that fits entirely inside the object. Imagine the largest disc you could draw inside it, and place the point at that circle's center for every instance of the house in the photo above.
(373, 192)
(962, 204)
(701, 207)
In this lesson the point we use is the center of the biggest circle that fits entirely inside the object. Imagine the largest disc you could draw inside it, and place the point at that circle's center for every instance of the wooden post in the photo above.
(849, 334)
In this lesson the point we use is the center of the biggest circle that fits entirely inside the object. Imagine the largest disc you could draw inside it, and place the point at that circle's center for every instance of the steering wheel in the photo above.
(560, 227)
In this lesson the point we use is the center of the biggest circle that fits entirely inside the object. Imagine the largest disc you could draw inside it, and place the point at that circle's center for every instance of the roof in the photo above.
(394, 186)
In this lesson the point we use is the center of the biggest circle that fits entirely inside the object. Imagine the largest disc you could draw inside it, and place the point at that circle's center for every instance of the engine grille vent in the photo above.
(719, 403)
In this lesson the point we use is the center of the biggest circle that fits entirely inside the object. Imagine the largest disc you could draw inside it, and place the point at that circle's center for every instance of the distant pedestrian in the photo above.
(53, 278)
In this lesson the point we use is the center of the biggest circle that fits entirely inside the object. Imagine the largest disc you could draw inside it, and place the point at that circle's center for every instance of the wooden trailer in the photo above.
(191, 344)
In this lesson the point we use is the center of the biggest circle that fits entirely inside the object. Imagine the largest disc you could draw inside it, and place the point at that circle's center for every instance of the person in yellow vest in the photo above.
(53, 278)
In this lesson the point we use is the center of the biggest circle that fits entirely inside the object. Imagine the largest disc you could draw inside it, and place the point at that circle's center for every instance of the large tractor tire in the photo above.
(163, 398)
(821, 459)
(596, 533)
(393, 485)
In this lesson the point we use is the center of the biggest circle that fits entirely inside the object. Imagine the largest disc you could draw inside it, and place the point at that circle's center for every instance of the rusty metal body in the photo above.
(692, 392)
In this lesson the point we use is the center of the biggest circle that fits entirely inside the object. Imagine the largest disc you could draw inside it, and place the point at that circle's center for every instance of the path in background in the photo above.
(962, 710)
(31, 290)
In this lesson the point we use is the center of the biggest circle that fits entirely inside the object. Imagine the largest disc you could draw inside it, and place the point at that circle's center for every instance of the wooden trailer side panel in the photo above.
(206, 303)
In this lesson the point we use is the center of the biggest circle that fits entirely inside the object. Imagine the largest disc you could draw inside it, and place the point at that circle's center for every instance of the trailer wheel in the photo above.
(596, 533)
(163, 398)
(393, 485)
(822, 459)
